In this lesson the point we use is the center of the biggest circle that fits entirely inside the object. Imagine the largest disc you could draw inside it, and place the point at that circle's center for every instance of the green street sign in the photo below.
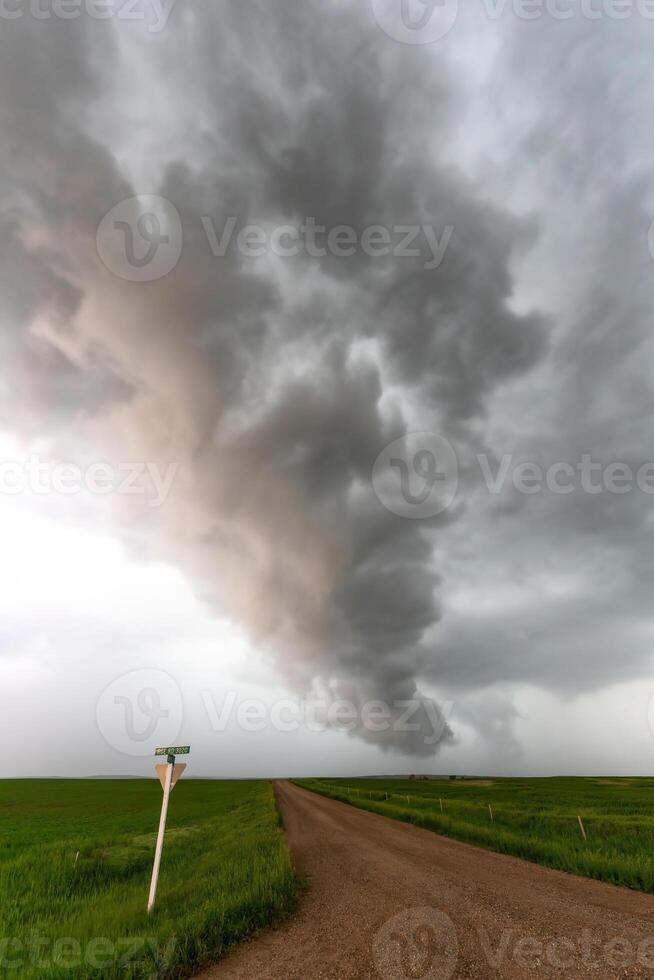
(174, 750)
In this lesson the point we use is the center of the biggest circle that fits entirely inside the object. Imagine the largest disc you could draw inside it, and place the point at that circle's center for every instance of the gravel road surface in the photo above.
(389, 901)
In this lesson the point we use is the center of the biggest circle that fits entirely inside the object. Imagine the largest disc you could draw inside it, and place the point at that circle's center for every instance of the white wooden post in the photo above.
(160, 836)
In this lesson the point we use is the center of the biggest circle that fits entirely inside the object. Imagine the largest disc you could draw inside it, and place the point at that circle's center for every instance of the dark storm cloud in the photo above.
(555, 590)
(260, 378)
(55, 184)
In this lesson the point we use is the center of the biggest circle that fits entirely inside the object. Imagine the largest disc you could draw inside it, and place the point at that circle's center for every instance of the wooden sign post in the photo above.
(168, 774)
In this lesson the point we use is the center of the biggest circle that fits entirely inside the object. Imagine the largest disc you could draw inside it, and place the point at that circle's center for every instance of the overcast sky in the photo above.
(340, 315)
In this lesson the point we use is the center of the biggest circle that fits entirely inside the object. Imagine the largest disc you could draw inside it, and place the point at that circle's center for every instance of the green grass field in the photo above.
(225, 871)
(534, 819)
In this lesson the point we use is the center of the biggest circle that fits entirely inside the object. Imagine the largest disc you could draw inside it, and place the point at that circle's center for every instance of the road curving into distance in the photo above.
(394, 902)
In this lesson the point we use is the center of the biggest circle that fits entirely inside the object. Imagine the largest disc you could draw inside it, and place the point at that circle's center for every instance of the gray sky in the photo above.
(341, 322)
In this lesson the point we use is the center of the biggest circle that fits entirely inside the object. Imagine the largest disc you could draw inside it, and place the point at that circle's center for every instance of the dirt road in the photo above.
(392, 902)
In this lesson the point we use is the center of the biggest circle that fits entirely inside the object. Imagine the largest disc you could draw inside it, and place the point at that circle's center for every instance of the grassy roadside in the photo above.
(535, 819)
(75, 864)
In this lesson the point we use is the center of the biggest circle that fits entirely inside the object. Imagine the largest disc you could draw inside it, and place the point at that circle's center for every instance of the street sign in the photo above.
(162, 771)
(168, 772)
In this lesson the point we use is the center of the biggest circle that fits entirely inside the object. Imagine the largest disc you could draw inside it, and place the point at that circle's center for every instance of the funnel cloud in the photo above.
(274, 381)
